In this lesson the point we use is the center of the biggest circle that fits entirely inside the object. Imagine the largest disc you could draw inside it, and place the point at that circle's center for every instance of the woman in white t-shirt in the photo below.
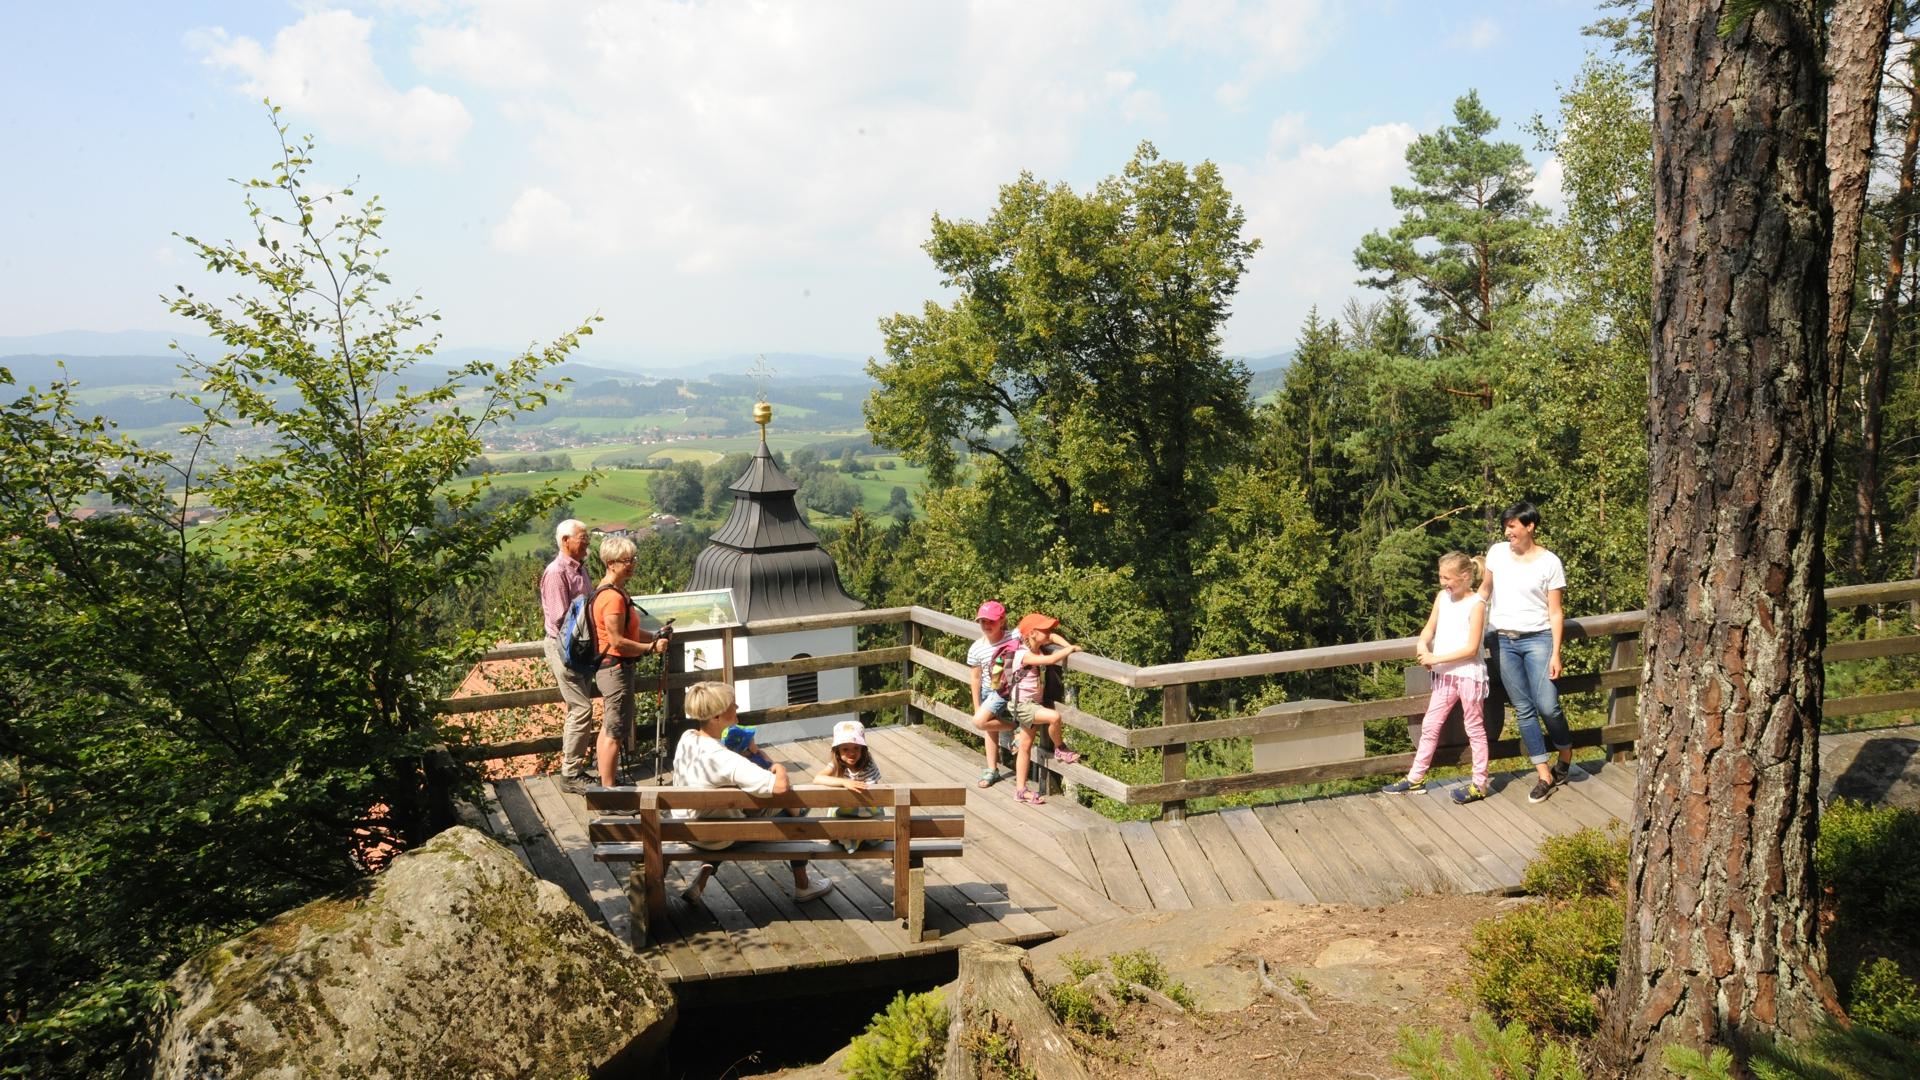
(701, 760)
(1524, 587)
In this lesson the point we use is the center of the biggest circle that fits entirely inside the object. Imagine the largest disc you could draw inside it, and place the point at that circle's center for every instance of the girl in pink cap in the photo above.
(990, 710)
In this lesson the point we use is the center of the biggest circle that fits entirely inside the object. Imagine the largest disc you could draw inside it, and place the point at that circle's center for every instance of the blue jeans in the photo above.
(1523, 672)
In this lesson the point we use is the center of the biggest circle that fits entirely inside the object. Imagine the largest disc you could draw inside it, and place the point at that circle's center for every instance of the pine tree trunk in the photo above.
(1722, 936)
(1867, 484)
(1856, 56)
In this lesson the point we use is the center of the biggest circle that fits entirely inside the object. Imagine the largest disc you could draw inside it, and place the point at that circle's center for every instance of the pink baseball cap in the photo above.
(992, 609)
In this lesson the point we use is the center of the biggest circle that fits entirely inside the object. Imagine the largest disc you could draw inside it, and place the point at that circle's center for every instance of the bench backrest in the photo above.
(635, 815)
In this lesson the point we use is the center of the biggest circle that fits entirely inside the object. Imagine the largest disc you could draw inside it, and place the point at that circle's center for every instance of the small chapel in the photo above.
(774, 564)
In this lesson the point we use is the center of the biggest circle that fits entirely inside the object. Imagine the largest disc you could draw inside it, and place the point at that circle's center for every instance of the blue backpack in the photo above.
(579, 637)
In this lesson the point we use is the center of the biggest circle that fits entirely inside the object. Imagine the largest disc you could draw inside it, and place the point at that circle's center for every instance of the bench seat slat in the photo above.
(776, 849)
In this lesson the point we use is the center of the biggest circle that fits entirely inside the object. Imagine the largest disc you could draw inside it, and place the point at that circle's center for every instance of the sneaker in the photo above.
(1541, 790)
(1403, 787)
(1567, 773)
(576, 785)
(1469, 793)
(813, 891)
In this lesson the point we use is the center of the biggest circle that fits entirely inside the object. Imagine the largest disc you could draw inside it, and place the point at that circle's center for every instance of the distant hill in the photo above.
(102, 343)
(1268, 373)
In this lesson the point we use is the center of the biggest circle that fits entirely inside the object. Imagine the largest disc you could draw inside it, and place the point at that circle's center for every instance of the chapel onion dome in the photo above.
(765, 552)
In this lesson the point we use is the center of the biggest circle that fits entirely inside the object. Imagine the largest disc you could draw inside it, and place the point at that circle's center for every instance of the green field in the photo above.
(704, 451)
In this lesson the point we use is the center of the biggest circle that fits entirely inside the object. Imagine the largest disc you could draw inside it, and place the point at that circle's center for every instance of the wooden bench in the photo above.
(630, 827)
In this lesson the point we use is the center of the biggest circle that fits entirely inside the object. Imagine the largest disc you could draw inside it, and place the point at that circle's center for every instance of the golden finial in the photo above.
(762, 413)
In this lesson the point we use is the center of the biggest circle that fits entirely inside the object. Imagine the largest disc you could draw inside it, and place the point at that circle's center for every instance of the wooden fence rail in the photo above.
(1177, 729)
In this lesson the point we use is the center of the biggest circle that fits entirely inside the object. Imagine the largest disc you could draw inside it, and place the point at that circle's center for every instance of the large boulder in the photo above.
(455, 962)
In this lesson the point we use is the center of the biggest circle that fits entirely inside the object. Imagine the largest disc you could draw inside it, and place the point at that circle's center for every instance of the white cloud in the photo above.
(1548, 181)
(322, 68)
(1310, 204)
(719, 135)
(1482, 33)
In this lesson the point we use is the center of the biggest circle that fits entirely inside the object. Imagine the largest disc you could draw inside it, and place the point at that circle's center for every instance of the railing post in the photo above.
(1623, 706)
(910, 637)
(1173, 758)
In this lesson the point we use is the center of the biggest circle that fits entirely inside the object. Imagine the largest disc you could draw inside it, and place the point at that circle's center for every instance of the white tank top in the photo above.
(1453, 632)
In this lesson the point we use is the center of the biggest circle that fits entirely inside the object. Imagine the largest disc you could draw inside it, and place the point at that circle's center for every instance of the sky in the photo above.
(717, 179)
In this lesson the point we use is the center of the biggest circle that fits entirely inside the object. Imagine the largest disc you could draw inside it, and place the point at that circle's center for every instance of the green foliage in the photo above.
(1075, 1007)
(1588, 862)
(1540, 966)
(1510, 1053)
(1076, 1004)
(905, 1042)
(1838, 1053)
(1468, 218)
(1870, 856)
(1078, 966)
(202, 735)
(1081, 368)
(1142, 968)
(1886, 999)
(1688, 1063)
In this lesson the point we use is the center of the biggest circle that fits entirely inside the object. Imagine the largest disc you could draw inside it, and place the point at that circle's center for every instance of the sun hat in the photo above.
(849, 731)
(1036, 621)
(738, 737)
(992, 609)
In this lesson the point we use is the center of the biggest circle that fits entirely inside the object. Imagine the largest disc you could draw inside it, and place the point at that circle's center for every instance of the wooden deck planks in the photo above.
(1282, 880)
(1031, 873)
(1196, 875)
(1157, 872)
(1394, 860)
(1285, 832)
(1237, 873)
(1117, 874)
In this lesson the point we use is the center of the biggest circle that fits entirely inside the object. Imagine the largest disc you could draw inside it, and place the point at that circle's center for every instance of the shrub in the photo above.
(1585, 863)
(906, 1042)
(1510, 1053)
(1870, 857)
(1541, 965)
(1074, 1006)
(1142, 968)
(1885, 999)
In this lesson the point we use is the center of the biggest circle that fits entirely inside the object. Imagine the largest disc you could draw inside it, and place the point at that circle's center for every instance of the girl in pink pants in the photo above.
(1450, 648)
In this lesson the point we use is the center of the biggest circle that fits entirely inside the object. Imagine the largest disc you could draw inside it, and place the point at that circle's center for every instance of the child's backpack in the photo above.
(579, 637)
(1002, 672)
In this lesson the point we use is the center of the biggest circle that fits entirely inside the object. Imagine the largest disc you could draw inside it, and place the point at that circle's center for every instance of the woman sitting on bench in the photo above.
(702, 760)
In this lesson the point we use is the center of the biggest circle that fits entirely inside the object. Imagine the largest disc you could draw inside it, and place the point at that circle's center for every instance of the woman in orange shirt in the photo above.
(617, 622)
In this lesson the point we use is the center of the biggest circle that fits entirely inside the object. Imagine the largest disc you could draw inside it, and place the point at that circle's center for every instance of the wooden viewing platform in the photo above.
(1032, 873)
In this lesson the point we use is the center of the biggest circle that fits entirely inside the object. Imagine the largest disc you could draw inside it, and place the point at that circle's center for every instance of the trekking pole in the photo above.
(660, 715)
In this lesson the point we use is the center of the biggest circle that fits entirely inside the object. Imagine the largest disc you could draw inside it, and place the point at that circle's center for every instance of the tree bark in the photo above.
(1856, 58)
(1722, 938)
(1867, 484)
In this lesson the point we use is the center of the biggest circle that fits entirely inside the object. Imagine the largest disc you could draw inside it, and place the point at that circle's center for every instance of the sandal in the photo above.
(989, 777)
(1031, 798)
(1065, 756)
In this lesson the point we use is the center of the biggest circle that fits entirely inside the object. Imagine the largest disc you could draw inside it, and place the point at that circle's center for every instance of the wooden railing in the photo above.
(1178, 730)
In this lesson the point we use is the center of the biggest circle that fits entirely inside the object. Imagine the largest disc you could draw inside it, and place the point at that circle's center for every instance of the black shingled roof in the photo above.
(766, 553)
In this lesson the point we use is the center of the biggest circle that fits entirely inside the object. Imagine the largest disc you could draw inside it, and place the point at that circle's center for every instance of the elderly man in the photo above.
(564, 579)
